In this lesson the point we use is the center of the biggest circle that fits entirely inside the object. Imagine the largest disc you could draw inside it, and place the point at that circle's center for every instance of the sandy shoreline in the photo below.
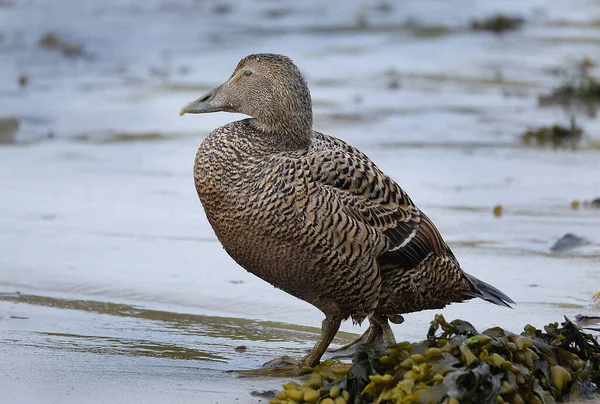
(30, 376)
(51, 355)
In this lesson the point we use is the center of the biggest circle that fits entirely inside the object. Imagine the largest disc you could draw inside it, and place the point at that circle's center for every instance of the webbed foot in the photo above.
(288, 367)
(279, 367)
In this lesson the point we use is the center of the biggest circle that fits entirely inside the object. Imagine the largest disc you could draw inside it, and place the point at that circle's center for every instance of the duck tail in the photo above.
(488, 293)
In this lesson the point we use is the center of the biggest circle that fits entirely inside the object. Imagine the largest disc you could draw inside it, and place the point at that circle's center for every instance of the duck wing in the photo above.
(370, 196)
(411, 240)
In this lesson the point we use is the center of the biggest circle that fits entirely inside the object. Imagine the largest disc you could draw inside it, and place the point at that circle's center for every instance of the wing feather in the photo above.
(370, 196)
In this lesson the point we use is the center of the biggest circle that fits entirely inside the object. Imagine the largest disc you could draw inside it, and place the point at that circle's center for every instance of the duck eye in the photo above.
(247, 73)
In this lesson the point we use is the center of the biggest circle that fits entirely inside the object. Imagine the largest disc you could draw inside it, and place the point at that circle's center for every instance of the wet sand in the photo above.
(37, 376)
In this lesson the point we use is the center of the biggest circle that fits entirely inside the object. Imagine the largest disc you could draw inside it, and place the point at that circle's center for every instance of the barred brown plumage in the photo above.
(314, 216)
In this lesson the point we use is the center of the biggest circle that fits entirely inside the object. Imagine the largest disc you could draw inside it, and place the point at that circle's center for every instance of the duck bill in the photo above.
(209, 102)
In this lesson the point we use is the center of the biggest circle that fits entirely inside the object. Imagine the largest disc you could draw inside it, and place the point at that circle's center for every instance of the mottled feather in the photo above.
(313, 215)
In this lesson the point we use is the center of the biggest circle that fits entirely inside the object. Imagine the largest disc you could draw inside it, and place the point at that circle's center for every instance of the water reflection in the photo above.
(188, 336)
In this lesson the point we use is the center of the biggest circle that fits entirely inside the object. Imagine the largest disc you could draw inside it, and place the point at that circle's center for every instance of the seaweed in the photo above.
(53, 41)
(593, 204)
(456, 364)
(579, 89)
(9, 127)
(23, 80)
(498, 23)
(556, 136)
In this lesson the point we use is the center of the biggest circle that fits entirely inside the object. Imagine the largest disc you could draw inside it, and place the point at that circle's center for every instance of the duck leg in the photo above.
(329, 328)
(368, 337)
(388, 334)
(289, 367)
(379, 329)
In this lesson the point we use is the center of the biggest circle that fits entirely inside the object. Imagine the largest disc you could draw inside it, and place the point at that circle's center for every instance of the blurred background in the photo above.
(485, 112)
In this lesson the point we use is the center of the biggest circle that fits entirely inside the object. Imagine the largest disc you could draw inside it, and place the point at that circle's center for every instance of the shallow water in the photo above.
(122, 278)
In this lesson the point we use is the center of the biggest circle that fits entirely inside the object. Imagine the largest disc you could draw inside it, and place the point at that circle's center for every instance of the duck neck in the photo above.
(292, 133)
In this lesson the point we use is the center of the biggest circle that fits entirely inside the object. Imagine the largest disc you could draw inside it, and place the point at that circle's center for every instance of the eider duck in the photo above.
(314, 216)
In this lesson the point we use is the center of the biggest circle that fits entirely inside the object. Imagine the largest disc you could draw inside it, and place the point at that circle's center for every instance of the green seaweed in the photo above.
(456, 364)
(555, 136)
(579, 89)
(498, 23)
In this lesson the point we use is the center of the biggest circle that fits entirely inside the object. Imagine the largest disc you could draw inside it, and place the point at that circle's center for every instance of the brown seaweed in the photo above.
(498, 23)
(556, 136)
(579, 90)
(456, 364)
